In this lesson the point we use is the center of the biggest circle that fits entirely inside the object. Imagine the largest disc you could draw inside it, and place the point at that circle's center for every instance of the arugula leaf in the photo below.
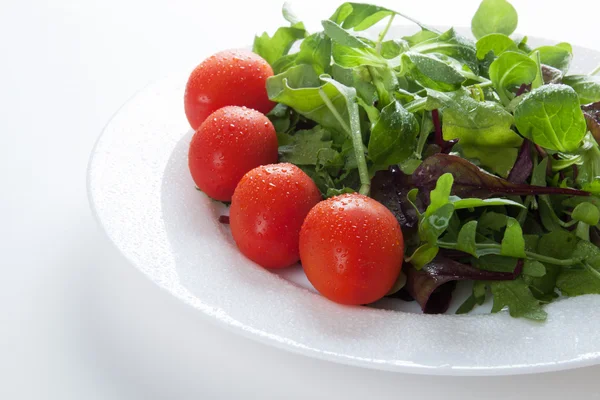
(303, 147)
(496, 43)
(517, 296)
(587, 87)
(558, 56)
(393, 136)
(510, 70)
(466, 238)
(584, 281)
(494, 16)
(358, 78)
(273, 48)
(472, 203)
(431, 72)
(550, 117)
(513, 243)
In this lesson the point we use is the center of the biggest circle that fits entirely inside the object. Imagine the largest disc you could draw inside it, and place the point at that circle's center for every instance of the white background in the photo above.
(76, 321)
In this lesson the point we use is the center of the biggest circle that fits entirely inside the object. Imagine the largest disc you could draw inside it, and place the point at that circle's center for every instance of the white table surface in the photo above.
(78, 322)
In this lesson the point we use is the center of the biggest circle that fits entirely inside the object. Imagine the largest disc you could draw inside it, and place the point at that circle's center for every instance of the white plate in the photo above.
(143, 196)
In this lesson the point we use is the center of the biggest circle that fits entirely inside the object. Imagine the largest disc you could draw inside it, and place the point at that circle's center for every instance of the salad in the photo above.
(398, 166)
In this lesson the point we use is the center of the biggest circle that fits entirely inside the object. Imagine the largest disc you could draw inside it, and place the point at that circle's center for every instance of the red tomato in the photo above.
(267, 211)
(351, 248)
(231, 142)
(228, 78)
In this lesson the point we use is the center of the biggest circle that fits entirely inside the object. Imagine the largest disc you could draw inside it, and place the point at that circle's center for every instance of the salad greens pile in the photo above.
(485, 150)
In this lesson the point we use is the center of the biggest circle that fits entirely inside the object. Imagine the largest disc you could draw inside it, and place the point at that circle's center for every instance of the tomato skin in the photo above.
(267, 211)
(227, 78)
(352, 249)
(231, 142)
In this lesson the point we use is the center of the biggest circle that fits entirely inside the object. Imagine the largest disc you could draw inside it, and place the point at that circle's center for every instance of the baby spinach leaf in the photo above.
(350, 57)
(342, 36)
(558, 56)
(496, 43)
(587, 213)
(419, 37)
(517, 297)
(393, 136)
(586, 86)
(452, 45)
(550, 117)
(494, 16)
(359, 16)
(393, 48)
(296, 88)
(431, 72)
(472, 122)
(511, 70)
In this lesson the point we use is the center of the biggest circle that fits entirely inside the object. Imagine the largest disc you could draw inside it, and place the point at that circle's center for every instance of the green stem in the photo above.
(592, 270)
(423, 135)
(382, 93)
(416, 105)
(530, 255)
(595, 71)
(483, 84)
(477, 78)
(354, 131)
(383, 33)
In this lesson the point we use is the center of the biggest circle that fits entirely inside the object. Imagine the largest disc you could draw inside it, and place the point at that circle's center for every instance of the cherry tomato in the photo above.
(267, 211)
(228, 78)
(231, 142)
(351, 248)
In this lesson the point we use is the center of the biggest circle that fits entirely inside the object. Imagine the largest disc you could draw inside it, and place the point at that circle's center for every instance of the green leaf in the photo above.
(452, 45)
(491, 222)
(296, 88)
(467, 306)
(539, 79)
(358, 78)
(289, 14)
(477, 298)
(586, 213)
(359, 16)
(303, 147)
(316, 51)
(423, 255)
(558, 56)
(550, 116)
(573, 282)
(431, 72)
(474, 202)
(466, 238)
(273, 48)
(419, 37)
(494, 16)
(496, 263)
(440, 196)
(587, 87)
(499, 160)
(511, 70)
(393, 137)
(496, 43)
(350, 57)
(517, 296)
(513, 243)
(435, 223)
(342, 36)
(393, 48)
(534, 269)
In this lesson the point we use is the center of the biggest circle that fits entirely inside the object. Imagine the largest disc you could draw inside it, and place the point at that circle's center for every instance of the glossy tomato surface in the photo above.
(231, 142)
(351, 248)
(228, 78)
(267, 211)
